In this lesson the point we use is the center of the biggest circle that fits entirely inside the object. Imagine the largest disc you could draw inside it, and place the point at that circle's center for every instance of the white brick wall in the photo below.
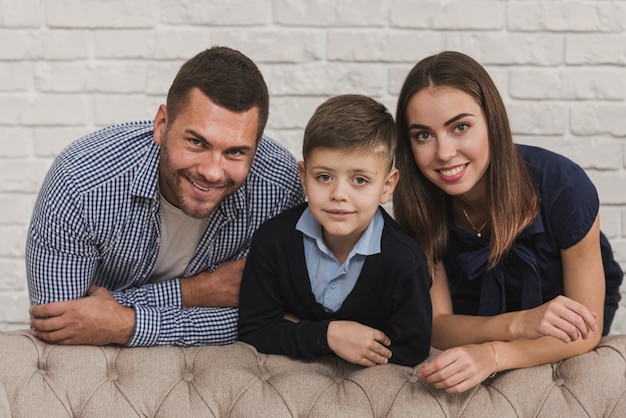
(71, 66)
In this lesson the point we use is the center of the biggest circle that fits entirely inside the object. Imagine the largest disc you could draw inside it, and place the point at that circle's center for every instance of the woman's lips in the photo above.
(452, 173)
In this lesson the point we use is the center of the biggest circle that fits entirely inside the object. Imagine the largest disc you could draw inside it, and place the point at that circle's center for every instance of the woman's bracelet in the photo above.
(495, 357)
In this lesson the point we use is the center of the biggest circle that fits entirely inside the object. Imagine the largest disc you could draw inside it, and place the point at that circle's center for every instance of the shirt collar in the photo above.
(368, 243)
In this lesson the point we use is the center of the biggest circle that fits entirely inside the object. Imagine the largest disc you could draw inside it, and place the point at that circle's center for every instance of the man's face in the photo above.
(206, 153)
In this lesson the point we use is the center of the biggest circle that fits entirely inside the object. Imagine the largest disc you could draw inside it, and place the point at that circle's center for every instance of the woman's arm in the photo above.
(514, 335)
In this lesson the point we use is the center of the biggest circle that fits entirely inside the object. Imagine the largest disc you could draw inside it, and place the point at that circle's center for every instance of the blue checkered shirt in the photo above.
(96, 220)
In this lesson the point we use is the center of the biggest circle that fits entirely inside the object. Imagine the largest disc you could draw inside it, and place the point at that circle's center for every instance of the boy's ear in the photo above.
(390, 185)
(302, 171)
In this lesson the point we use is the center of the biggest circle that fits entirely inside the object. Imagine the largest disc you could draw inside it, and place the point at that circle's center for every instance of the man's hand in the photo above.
(97, 319)
(219, 288)
(358, 343)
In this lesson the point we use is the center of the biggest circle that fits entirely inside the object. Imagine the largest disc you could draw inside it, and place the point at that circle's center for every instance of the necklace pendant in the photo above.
(479, 234)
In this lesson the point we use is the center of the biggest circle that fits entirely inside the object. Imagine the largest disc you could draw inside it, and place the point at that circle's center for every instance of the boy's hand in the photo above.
(358, 343)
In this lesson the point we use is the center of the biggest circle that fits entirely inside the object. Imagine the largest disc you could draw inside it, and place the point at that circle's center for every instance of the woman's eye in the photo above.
(323, 178)
(422, 136)
(462, 127)
(360, 181)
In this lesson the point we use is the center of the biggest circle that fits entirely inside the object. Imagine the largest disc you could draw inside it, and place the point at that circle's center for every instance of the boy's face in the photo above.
(344, 190)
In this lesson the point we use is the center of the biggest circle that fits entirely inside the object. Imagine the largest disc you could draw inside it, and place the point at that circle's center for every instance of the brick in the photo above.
(330, 12)
(396, 76)
(460, 15)
(271, 46)
(292, 112)
(215, 12)
(118, 77)
(13, 274)
(61, 76)
(56, 109)
(20, 14)
(16, 142)
(61, 44)
(159, 77)
(537, 118)
(162, 44)
(374, 46)
(290, 139)
(16, 44)
(503, 48)
(570, 16)
(50, 140)
(12, 108)
(100, 14)
(595, 49)
(598, 119)
(567, 84)
(15, 307)
(325, 79)
(22, 176)
(589, 153)
(611, 186)
(15, 76)
(15, 209)
(13, 240)
(113, 109)
(611, 221)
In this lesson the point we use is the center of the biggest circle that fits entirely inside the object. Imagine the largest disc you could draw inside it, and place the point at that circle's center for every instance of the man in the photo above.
(140, 230)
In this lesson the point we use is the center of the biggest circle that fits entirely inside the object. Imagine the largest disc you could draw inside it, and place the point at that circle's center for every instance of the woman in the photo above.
(522, 275)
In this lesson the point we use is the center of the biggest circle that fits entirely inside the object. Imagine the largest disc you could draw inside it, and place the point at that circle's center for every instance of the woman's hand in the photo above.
(562, 318)
(461, 368)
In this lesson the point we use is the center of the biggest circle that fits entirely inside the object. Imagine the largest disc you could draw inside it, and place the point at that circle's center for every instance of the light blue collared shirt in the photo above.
(331, 282)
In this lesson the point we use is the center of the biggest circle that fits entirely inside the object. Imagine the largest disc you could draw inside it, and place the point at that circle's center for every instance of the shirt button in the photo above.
(333, 285)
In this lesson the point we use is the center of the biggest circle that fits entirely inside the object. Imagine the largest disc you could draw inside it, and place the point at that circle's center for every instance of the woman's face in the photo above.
(450, 140)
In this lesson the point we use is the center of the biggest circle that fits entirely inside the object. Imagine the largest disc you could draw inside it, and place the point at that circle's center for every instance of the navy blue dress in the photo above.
(531, 273)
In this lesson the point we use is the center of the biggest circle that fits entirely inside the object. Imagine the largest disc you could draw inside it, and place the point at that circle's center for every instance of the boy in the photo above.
(336, 274)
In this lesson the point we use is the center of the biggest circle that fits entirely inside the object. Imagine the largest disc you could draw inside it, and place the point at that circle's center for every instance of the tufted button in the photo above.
(188, 376)
(113, 375)
(412, 377)
(559, 381)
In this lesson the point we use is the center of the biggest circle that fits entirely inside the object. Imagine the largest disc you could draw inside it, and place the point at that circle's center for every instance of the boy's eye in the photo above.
(323, 178)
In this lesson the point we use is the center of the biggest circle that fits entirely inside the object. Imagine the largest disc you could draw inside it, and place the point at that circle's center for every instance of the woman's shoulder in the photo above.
(542, 158)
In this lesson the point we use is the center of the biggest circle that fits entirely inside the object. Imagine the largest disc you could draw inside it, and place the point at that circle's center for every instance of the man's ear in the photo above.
(160, 124)
(390, 185)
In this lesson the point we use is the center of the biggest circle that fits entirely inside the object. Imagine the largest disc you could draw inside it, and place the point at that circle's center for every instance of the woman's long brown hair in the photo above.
(420, 206)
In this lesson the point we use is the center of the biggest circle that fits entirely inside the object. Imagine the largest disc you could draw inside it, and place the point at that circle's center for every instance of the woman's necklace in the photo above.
(477, 230)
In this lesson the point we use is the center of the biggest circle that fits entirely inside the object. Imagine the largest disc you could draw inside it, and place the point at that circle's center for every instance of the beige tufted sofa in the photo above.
(40, 380)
